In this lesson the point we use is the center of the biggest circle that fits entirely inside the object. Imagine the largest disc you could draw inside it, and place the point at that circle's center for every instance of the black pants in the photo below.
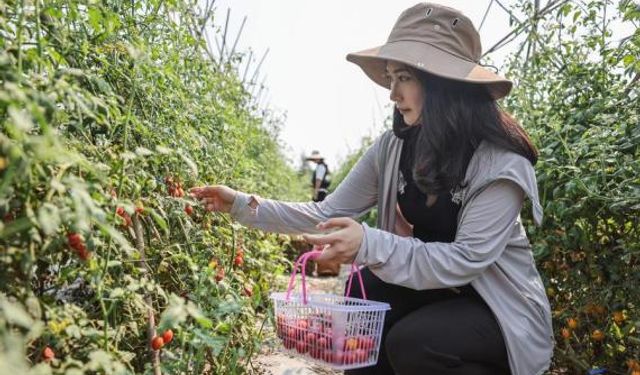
(437, 332)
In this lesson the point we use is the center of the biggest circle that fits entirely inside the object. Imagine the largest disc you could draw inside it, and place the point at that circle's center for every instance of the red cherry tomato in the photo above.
(167, 336)
(48, 354)
(157, 342)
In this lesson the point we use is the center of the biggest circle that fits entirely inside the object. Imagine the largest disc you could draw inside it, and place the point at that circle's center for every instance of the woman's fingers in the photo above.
(335, 248)
(320, 239)
(214, 198)
(336, 222)
(343, 243)
(204, 191)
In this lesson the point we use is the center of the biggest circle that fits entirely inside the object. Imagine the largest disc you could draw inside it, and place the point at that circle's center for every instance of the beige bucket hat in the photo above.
(315, 156)
(435, 39)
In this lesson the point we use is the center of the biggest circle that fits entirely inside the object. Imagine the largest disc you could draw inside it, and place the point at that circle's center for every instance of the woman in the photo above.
(450, 253)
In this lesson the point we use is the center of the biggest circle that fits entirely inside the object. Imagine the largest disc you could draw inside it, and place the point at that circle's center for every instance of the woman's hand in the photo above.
(217, 198)
(343, 243)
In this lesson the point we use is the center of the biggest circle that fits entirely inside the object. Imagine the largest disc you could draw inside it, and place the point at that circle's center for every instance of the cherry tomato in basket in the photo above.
(351, 343)
(316, 353)
(302, 324)
(302, 347)
(323, 343)
(292, 333)
(312, 339)
(361, 355)
(328, 356)
(288, 343)
(350, 358)
(366, 342)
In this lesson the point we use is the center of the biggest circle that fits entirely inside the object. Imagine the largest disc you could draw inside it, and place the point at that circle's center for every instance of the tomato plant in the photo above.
(109, 112)
(576, 93)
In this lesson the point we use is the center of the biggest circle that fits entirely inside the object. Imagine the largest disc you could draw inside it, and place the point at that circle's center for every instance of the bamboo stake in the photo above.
(224, 35)
(255, 73)
(244, 76)
(235, 43)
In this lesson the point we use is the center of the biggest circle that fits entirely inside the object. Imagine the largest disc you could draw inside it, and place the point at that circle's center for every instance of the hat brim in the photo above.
(425, 57)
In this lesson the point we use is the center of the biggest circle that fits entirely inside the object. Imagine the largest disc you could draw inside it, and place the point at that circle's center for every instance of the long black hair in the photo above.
(456, 117)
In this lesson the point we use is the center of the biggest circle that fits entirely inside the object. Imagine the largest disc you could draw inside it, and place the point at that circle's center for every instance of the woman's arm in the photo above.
(356, 195)
(481, 238)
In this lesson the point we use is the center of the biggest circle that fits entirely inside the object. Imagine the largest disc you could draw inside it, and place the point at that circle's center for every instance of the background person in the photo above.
(320, 178)
(320, 183)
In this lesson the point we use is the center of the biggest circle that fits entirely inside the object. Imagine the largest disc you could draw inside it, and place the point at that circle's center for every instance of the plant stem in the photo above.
(151, 324)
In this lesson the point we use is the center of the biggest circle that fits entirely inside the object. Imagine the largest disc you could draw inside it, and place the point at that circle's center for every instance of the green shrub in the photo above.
(578, 97)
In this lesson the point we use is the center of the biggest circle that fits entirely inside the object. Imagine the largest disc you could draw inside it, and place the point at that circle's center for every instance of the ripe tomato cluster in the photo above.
(314, 337)
(77, 244)
(157, 342)
(238, 261)
(125, 216)
(174, 187)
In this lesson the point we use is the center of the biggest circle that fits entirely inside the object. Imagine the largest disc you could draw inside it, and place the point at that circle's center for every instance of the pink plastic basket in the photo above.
(335, 331)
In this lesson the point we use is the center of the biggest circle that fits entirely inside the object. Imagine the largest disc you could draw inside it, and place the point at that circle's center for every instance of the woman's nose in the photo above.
(394, 95)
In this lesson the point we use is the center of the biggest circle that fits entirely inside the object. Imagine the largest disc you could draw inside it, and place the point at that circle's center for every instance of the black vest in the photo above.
(325, 183)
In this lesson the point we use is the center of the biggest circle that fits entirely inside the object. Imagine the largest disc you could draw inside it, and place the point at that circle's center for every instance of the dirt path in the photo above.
(271, 361)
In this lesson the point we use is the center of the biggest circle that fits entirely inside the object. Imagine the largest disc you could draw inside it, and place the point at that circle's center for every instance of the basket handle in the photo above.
(355, 269)
(302, 261)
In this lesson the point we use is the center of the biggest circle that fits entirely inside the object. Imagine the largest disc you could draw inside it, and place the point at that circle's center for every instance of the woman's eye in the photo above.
(404, 78)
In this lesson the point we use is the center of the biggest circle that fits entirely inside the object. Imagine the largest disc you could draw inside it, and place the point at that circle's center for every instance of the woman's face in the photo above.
(406, 92)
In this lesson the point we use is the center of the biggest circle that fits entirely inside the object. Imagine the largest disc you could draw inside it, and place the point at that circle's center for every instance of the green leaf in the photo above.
(163, 150)
(116, 293)
(95, 18)
(160, 221)
(214, 342)
(142, 151)
(173, 315)
(192, 165)
(14, 313)
(628, 60)
(48, 218)
(21, 119)
(73, 331)
(99, 359)
(195, 313)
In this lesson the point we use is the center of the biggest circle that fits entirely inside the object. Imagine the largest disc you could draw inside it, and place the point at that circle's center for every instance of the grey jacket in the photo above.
(491, 250)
